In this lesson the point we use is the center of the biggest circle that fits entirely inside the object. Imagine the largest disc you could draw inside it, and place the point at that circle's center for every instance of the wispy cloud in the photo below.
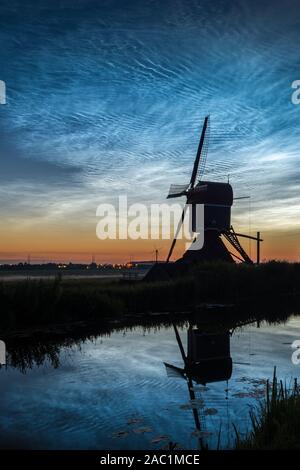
(108, 97)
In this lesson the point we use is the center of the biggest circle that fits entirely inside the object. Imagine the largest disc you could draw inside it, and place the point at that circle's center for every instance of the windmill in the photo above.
(217, 199)
(155, 253)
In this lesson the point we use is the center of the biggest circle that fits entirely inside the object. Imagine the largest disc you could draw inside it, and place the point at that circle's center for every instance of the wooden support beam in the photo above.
(248, 236)
(258, 240)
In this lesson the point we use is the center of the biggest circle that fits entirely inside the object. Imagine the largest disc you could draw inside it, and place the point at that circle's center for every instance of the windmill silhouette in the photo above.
(217, 199)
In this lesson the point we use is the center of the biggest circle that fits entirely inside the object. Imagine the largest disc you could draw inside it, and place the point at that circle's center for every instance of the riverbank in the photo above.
(276, 425)
(272, 288)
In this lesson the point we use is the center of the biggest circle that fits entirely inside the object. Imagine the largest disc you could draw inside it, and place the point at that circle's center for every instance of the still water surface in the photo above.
(116, 393)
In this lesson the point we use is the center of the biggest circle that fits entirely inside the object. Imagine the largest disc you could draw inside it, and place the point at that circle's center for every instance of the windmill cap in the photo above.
(214, 193)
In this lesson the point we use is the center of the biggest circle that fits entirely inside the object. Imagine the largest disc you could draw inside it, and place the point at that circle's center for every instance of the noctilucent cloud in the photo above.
(108, 97)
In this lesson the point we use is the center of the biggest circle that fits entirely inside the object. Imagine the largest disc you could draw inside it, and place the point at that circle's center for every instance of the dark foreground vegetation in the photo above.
(276, 425)
(270, 288)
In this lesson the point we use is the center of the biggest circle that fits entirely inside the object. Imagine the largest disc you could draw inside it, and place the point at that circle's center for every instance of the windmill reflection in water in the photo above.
(207, 360)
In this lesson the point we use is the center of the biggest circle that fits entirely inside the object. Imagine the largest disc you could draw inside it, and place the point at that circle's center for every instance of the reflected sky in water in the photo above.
(114, 392)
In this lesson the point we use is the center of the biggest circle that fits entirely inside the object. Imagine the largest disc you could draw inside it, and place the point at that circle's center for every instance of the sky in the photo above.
(108, 97)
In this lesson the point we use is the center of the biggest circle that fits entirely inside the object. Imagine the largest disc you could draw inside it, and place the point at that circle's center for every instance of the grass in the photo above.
(276, 424)
(263, 287)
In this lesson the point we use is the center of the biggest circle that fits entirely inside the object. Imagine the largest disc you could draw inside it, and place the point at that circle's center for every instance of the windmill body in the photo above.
(216, 199)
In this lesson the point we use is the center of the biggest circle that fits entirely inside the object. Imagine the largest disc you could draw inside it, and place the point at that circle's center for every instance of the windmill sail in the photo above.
(180, 190)
(177, 190)
(204, 151)
(173, 371)
(177, 233)
(201, 152)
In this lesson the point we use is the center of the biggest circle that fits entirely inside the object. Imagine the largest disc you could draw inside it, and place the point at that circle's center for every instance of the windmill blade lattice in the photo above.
(204, 151)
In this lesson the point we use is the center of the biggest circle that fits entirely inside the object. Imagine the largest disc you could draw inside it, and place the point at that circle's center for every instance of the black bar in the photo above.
(45, 458)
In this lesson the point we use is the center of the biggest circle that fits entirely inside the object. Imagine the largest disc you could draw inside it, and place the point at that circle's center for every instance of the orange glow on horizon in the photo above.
(78, 245)
(128, 252)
